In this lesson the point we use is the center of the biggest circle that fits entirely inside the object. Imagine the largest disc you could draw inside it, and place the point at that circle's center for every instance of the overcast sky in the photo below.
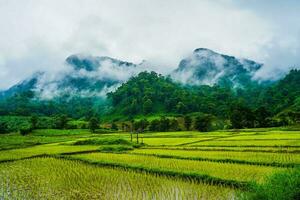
(40, 34)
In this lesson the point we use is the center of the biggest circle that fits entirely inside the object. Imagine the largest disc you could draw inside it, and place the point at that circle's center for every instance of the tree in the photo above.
(262, 116)
(147, 106)
(93, 124)
(140, 126)
(187, 122)
(131, 127)
(33, 121)
(181, 108)
(154, 125)
(203, 122)
(164, 124)
(242, 117)
(144, 124)
(114, 126)
(174, 126)
(25, 130)
(3, 127)
(61, 121)
(133, 108)
(125, 127)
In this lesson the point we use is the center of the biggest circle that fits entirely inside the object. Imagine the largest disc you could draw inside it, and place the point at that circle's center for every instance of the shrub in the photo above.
(280, 186)
(61, 121)
(3, 127)
(114, 126)
(34, 121)
(114, 141)
(115, 148)
(25, 130)
(187, 122)
(203, 122)
(93, 124)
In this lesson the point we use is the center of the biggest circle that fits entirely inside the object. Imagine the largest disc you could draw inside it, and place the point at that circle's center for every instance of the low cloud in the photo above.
(37, 35)
(107, 72)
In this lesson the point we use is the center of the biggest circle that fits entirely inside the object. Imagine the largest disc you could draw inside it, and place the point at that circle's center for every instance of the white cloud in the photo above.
(55, 83)
(40, 34)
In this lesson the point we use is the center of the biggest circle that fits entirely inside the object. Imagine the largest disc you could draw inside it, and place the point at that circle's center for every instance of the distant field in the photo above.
(169, 165)
(259, 158)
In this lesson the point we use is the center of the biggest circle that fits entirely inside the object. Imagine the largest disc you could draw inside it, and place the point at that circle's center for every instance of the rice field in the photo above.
(235, 149)
(249, 143)
(49, 149)
(171, 141)
(255, 157)
(50, 178)
(169, 165)
(226, 171)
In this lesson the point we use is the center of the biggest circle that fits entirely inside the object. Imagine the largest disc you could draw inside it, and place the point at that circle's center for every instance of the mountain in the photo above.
(213, 83)
(96, 76)
(150, 93)
(90, 76)
(283, 94)
(206, 67)
(23, 86)
(86, 76)
(93, 63)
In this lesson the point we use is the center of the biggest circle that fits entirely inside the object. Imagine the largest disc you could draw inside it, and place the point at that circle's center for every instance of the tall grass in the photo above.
(49, 178)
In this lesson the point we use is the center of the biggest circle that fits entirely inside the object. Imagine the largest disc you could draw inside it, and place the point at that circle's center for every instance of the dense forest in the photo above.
(151, 94)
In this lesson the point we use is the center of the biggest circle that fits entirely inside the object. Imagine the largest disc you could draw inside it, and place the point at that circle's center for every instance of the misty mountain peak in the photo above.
(92, 63)
(201, 51)
(207, 67)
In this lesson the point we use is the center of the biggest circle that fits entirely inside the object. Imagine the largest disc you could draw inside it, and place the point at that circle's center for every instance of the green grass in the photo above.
(49, 178)
(279, 186)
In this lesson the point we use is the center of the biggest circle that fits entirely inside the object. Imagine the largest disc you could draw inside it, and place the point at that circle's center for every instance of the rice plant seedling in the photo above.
(76, 164)
(48, 149)
(236, 149)
(249, 143)
(50, 178)
(267, 136)
(183, 134)
(254, 157)
(227, 171)
(59, 132)
(170, 141)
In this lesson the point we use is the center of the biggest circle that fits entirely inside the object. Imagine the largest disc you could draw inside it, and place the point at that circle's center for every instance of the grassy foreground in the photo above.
(61, 179)
(75, 164)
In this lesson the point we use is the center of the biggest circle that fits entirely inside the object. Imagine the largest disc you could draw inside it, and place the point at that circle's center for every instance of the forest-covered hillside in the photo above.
(205, 83)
